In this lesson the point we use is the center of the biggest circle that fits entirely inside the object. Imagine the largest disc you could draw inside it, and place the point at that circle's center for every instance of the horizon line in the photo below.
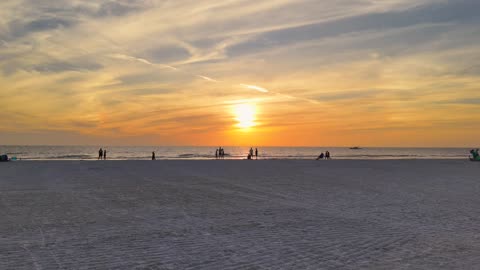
(258, 146)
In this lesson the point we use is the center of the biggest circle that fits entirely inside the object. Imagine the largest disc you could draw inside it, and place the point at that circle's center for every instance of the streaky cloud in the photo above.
(255, 87)
(207, 78)
(141, 60)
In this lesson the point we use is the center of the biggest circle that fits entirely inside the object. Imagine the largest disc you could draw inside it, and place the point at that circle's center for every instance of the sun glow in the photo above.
(245, 115)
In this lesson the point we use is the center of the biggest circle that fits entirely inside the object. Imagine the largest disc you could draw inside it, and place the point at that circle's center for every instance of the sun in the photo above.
(245, 115)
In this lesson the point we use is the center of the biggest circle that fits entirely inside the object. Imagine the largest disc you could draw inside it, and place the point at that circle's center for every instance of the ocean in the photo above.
(203, 152)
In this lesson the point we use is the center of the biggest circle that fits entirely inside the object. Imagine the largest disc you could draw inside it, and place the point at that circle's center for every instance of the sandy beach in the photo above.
(267, 214)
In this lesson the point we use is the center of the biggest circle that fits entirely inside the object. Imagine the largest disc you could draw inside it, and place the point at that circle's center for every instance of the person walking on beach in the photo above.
(256, 153)
(216, 153)
(251, 152)
(153, 156)
(100, 154)
(104, 154)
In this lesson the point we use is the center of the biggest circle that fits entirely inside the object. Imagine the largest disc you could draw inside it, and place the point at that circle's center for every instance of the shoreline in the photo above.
(236, 153)
(239, 159)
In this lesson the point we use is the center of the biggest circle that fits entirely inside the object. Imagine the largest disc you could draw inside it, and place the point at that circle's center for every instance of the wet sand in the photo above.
(267, 214)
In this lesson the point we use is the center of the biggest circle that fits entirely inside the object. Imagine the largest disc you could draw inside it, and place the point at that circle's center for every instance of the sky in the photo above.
(240, 72)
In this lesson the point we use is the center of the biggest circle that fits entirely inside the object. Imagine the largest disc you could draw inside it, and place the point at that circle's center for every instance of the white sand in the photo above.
(410, 214)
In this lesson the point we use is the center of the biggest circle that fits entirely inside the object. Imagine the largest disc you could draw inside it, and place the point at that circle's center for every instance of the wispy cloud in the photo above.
(207, 78)
(141, 60)
(254, 87)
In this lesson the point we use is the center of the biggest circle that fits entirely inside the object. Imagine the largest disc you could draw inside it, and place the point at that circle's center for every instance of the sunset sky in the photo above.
(240, 72)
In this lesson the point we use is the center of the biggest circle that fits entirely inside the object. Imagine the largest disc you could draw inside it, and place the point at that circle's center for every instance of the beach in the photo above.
(239, 214)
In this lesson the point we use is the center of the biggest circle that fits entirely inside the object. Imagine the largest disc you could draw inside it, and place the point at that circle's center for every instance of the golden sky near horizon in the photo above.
(240, 72)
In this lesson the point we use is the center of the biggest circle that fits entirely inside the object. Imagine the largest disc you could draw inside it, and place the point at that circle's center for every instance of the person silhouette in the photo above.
(100, 153)
(104, 154)
(321, 156)
(251, 152)
(216, 153)
(153, 156)
(256, 153)
(327, 155)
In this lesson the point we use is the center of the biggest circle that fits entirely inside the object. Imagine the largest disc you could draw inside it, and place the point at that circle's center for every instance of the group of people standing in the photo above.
(250, 153)
(220, 153)
(324, 156)
(102, 154)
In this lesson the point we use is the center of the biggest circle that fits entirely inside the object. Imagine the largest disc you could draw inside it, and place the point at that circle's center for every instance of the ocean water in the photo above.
(196, 152)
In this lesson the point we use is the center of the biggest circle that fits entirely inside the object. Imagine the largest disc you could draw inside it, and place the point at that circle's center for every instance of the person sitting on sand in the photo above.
(321, 156)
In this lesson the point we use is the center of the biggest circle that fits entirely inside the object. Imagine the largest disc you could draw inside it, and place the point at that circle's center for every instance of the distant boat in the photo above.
(355, 148)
